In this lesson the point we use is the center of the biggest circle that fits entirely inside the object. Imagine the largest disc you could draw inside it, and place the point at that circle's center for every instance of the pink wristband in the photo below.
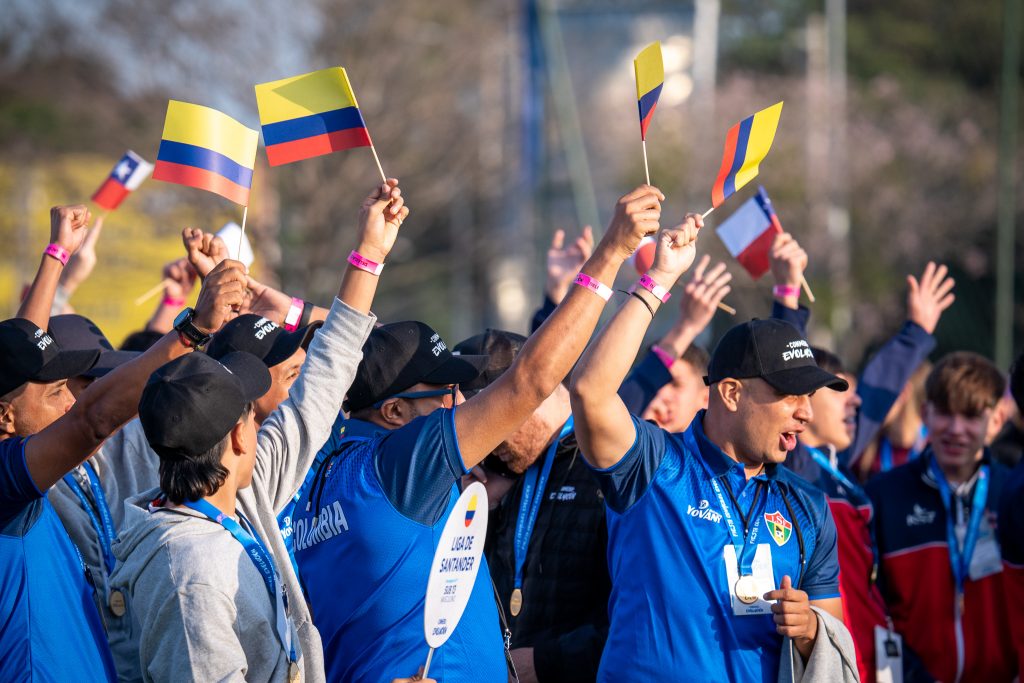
(58, 252)
(587, 282)
(786, 290)
(172, 302)
(666, 358)
(648, 283)
(363, 263)
(291, 321)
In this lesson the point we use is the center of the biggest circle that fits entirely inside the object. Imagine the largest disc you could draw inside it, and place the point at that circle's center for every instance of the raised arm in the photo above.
(563, 262)
(179, 277)
(78, 269)
(788, 262)
(68, 228)
(113, 399)
(604, 427)
(485, 420)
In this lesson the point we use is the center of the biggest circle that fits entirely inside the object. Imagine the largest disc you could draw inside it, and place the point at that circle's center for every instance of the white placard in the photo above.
(456, 563)
(229, 233)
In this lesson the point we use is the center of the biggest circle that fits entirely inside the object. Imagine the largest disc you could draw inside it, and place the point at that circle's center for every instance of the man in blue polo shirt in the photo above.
(366, 528)
(51, 630)
(715, 550)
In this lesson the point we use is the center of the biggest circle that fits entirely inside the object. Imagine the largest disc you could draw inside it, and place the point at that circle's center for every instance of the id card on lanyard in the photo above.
(263, 562)
(534, 482)
(748, 565)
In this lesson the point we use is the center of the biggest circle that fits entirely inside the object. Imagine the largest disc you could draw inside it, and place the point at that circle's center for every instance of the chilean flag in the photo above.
(127, 175)
(748, 233)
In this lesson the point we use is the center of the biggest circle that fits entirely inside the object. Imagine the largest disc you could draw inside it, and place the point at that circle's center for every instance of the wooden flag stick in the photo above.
(647, 171)
(152, 292)
(727, 308)
(707, 213)
(807, 289)
(241, 233)
(377, 159)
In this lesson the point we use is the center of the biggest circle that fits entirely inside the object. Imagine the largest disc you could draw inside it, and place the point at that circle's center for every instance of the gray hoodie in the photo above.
(158, 551)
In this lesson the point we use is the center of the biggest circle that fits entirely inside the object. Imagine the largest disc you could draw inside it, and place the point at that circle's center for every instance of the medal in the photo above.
(746, 590)
(960, 603)
(515, 603)
(293, 672)
(116, 602)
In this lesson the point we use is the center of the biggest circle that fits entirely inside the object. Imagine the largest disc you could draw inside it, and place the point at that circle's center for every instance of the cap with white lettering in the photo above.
(30, 354)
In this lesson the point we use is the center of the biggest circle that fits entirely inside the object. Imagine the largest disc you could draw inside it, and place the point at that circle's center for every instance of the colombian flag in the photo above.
(309, 115)
(203, 148)
(746, 145)
(650, 77)
(470, 511)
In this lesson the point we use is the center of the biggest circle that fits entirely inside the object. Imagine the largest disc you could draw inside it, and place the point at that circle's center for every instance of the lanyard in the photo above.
(534, 482)
(885, 450)
(102, 524)
(961, 560)
(745, 544)
(825, 463)
(260, 557)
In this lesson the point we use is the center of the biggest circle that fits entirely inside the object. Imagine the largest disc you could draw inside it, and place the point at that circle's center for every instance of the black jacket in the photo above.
(565, 577)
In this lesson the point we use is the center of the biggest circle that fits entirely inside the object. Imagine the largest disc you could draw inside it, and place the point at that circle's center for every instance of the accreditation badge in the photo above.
(116, 603)
(888, 656)
(746, 592)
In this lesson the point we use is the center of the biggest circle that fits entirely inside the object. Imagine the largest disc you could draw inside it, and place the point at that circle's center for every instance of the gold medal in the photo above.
(293, 672)
(116, 602)
(746, 590)
(515, 603)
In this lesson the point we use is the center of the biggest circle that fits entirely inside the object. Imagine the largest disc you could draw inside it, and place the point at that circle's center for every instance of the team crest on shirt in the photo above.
(779, 527)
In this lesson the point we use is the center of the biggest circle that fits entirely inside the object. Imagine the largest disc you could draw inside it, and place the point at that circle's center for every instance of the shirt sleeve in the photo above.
(643, 383)
(1010, 529)
(822, 578)
(17, 489)
(419, 463)
(796, 317)
(291, 436)
(542, 313)
(627, 480)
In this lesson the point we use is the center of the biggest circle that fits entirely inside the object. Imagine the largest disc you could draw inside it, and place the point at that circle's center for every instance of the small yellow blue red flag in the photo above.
(470, 511)
(309, 115)
(746, 145)
(207, 149)
(650, 77)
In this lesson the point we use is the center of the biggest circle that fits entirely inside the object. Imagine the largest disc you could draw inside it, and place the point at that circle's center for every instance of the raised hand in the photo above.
(82, 263)
(788, 260)
(221, 297)
(637, 215)
(564, 262)
(927, 299)
(676, 250)
(69, 226)
(266, 301)
(381, 216)
(179, 278)
(703, 293)
(205, 250)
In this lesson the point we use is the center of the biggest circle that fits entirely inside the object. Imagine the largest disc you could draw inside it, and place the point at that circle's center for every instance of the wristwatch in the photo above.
(189, 334)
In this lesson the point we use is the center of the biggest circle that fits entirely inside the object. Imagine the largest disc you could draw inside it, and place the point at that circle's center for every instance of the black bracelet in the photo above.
(644, 302)
(307, 313)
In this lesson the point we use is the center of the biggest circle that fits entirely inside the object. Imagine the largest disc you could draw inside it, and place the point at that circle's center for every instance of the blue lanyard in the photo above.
(104, 523)
(534, 482)
(745, 544)
(260, 557)
(961, 560)
(885, 450)
(826, 464)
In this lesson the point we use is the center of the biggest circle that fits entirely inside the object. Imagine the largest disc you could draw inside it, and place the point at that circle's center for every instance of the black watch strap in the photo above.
(187, 330)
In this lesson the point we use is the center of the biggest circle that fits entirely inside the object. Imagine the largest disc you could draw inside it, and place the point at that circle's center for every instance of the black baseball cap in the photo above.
(500, 347)
(77, 333)
(774, 351)
(399, 355)
(30, 354)
(261, 337)
(190, 404)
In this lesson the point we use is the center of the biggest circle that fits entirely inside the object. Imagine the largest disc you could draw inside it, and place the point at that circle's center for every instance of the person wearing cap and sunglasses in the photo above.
(51, 629)
(200, 557)
(378, 501)
(710, 511)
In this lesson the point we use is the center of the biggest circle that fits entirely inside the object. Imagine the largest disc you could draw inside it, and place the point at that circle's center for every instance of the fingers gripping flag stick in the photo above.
(650, 77)
(746, 145)
(127, 175)
(310, 115)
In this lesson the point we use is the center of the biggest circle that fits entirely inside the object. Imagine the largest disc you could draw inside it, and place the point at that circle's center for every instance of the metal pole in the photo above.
(838, 219)
(1006, 225)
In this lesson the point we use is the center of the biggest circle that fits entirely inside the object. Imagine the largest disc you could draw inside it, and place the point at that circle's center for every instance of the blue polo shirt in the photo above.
(49, 627)
(364, 532)
(670, 607)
